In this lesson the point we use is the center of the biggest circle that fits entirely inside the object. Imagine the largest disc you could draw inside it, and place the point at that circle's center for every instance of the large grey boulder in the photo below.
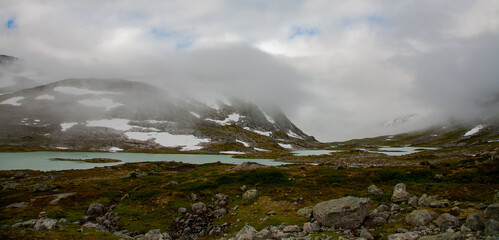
(492, 212)
(373, 189)
(400, 194)
(446, 221)
(419, 217)
(155, 234)
(250, 194)
(404, 236)
(305, 212)
(475, 221)
(246, 233)
(347, 212)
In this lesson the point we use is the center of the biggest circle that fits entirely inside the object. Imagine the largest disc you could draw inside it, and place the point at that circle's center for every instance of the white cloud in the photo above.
(365, 64)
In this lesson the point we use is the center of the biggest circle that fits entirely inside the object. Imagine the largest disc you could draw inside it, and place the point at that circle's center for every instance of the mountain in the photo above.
(114, 114)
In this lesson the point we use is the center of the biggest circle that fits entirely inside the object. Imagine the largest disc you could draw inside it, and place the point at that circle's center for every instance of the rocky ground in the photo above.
(450, 195)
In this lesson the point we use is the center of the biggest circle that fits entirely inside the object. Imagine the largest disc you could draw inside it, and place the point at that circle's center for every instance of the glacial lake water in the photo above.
(399, 151)
(44, 160)
(391, 151)
(313, 152)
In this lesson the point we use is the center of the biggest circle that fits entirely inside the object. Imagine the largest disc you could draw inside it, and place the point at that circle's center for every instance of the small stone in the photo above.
(219, 212)
(400, 194)
(291, 228)
(246, 233)
(373, 189)
(419, 217)
(182, 210)
(243, 188)
(395, 208)
(311, 227)
(413, 201)
(250, 194)
(446, 221)
(199, 208)
(455, 211)
(95, 209)
(305, 212)
(366, 234)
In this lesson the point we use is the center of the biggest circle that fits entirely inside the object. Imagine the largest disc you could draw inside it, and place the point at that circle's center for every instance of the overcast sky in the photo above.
(338, 69)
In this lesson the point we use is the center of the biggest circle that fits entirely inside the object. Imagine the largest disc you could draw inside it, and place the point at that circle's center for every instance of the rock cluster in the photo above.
(198, 221)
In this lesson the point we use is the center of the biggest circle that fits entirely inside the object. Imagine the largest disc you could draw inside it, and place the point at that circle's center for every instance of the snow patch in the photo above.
(13, 101)
(45, 97)
(474, 131)
(115, 149)
(258, 132)
(262, 150)
(107, 103)
(62, 148)
(115, 123)
(66, 126)
(234, 117)
(293, 134)
(232, 152)
(287, 146)
(195, 114)
(243, 143)
(187, 142)
(80, 91)
(270, 119)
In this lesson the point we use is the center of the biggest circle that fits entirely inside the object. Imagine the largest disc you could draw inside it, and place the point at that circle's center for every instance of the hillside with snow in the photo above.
(115, 115)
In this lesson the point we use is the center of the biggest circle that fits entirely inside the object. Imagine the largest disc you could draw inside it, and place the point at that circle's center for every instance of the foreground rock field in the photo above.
(452, 195)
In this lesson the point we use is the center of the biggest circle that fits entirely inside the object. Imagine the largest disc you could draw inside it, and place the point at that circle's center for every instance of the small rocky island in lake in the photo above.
(92, 160)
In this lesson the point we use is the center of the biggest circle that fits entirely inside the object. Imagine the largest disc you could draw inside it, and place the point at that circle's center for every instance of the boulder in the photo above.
(400, 194)
(491, 227)
(155, 234)
(419, 217)
(373, 189)
(413, 201)
(250, 194)
(291, 228)
(475, 221)
(95, 209)
(446, 221)
(305, 212)
(199, 208)
(347, 212)
(404, 236)
(263, 235)
(492, 212)
(311, 227)
(496, 197)
(246, 233)
(364, 233)
(45, 223)
(426, 200)
(219, 212)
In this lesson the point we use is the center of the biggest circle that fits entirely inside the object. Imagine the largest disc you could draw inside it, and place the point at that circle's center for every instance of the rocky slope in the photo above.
(113, 114)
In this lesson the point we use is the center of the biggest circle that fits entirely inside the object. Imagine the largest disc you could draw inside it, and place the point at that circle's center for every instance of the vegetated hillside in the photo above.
(441, 136)
(113, 114)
